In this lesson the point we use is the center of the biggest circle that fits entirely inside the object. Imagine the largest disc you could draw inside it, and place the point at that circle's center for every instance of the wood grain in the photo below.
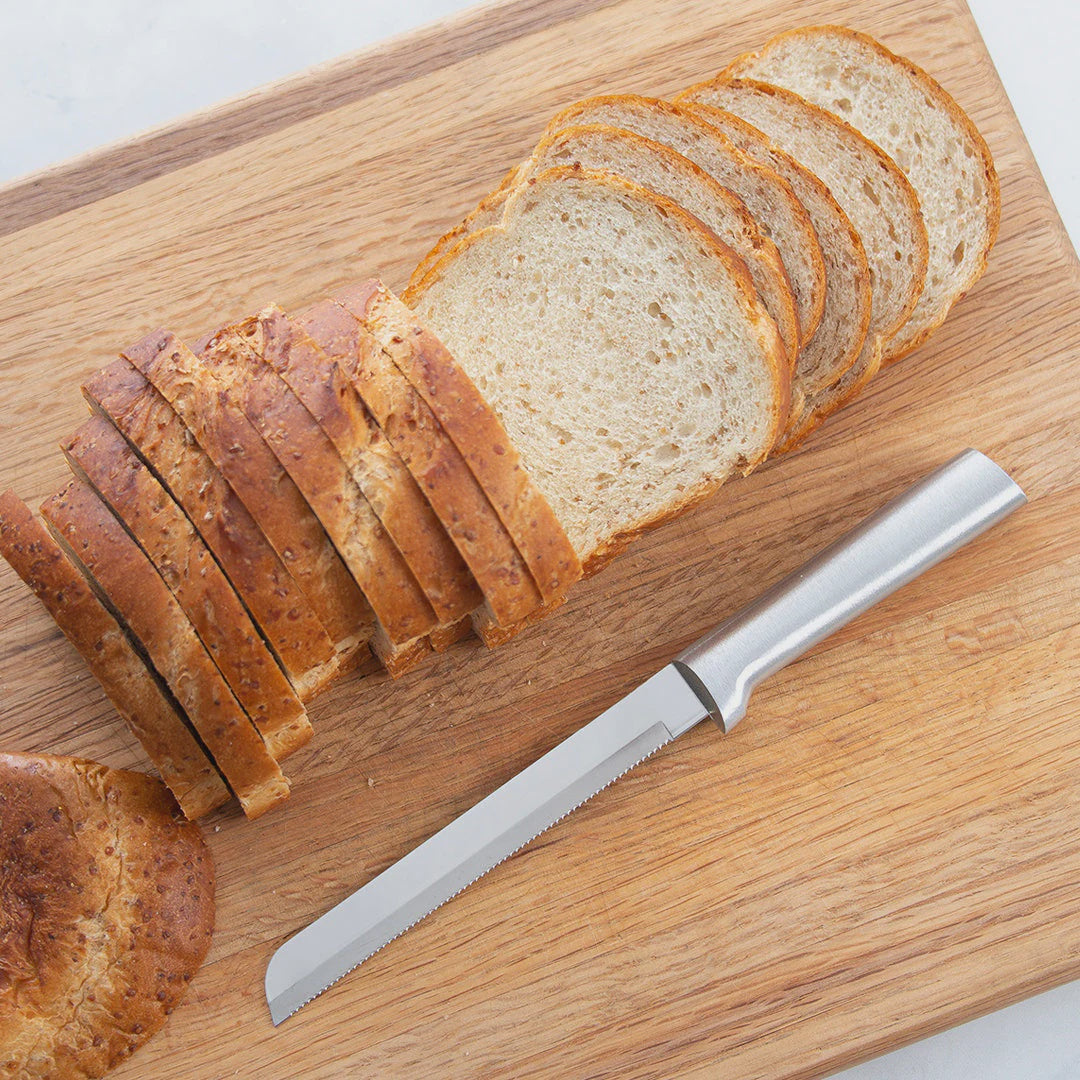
(888, 845)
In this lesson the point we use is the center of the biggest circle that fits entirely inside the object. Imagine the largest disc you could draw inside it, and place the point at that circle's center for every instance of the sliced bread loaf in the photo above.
(118, 569)
(102, 459)
(284, 617)
(902, 109)
(134, 688)
(622, 346)
(240, 454)
(373, 462)
(477, 431)
(431, 456)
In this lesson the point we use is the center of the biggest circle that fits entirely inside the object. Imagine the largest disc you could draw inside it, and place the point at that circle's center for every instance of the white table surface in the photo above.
(80, 73)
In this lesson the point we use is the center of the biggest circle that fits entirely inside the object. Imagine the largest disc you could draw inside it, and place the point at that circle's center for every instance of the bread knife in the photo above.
(713, 678)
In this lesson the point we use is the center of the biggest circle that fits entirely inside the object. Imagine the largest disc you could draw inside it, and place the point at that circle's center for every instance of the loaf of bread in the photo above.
(106, 914)
(661, 296)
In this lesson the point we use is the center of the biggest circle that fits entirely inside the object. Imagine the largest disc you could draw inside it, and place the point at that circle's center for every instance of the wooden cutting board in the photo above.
(888, 845)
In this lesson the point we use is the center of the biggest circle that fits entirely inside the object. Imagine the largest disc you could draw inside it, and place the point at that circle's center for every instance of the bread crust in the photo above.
(145, 705)
(101, 458)
(750, 304)
(478, 434)
(243, 355)
(240, 454)
(107, 904)
(374, 464)
(146, 420)
(142, 603)
(432, 458)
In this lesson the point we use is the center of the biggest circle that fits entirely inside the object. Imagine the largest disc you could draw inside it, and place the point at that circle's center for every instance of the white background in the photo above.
(80, 73)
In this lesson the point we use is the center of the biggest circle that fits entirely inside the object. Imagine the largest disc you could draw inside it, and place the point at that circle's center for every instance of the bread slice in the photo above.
(902, 109)
(667, 172)
(108, 914)
(240, 454)
(478, 432)
(623, 347)
(244, 357)
(285, 619)
(134, 688)
(871, 190)
(431, 456)
(114, 564)
(101, 458)
(846, 315)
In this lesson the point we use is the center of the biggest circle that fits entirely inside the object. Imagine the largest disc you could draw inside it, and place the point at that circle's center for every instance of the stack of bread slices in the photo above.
(664, 294)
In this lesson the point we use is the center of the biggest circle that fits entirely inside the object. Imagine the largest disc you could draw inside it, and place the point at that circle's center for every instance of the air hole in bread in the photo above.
(870, 193)
(958, 254)
(667, 452)
(843, 105)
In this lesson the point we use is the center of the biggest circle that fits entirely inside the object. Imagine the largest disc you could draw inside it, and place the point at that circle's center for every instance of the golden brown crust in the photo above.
(100, 457)
(106, 913)
(146, 706)
(243, 355)
(478, 434)
(155, 432)
(142, 603)
(375, 465)
(240, 454)
(431, 456)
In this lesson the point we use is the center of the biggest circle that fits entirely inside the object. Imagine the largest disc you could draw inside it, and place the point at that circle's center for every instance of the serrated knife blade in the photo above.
(714, 677)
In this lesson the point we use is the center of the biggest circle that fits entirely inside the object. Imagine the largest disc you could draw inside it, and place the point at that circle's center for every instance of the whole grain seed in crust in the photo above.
(433, 459)
(267, 491)
(134, 689)
(92, 537)
(100, 457)
(477, 432)
(240, 356)
(375, 465)
(284, 617)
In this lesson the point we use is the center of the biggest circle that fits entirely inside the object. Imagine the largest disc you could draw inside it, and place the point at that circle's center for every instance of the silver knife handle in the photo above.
(917, 529)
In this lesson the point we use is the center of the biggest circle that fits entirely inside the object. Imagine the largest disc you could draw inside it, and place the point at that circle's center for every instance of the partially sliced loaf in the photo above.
(139, 600)
(240, 454)
(431, 456)
(846, 315)
(99, 456)
(478, 432)
(902, 109)
(134, 689)
(280, 610)
(871, 190)
(622, 346)
(240, 356)
(667, 172)
(375, 465)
